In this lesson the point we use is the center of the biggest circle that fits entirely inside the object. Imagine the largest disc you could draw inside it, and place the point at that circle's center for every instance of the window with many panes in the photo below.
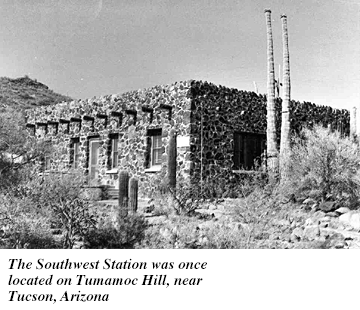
(114, 152)
(94, 145)
(154, 148)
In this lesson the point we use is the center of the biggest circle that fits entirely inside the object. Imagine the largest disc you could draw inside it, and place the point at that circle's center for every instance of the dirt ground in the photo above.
(287, 226)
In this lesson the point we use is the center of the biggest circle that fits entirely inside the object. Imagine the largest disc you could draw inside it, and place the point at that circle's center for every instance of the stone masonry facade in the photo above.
(209, 121)
(219, 112)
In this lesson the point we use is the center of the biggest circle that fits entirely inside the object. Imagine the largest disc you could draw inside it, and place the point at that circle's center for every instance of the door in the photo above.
(94, 157)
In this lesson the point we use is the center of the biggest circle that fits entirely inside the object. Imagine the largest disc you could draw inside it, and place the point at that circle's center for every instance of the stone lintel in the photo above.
(41, 124)
(113, 135)
(75, 119)
(88, 118)
(147, 109)
(63, 121)
(103, 116)
(131, 112)
(93, 137)
(53, 123)
(165, 106)
(116, 114)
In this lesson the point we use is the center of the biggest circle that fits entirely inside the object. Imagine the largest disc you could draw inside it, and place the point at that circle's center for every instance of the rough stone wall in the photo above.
(309, 114)
(207, 114)
(129, 115)
(223, 111)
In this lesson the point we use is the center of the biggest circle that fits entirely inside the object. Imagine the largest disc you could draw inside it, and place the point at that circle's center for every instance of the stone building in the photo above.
(220, 131)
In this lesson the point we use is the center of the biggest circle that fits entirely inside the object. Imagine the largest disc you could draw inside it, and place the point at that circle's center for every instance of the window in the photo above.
(75, 152)
(94, 145)
(46, 158)
(248, 150)
(154, 148)
(47, 163)
(114, 152)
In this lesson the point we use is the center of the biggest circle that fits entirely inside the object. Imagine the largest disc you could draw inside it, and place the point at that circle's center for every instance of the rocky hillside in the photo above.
(25, 93)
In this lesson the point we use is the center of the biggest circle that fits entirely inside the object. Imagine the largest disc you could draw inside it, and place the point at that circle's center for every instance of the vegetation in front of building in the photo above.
(52, 211)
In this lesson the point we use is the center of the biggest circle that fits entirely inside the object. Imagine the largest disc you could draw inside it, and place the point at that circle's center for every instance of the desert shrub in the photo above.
(124, 233)
(29, 234)
(251, 181)
(57, 196)
(227, 184)
(161, 204)
(189, 196)
(223, 235)
(255, 212)
(22, 226)
(183, 199)
(324, 165)
(18, 149)
(62, 196)
(175, 232)
(184, 232)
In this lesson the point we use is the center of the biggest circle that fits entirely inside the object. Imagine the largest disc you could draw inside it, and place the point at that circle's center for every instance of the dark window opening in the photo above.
(31, 129)
(134, 115)
(249, 150)
(118, 118)
(46, 158)
(74, 152)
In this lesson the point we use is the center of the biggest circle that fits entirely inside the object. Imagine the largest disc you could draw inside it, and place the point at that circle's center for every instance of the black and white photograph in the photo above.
(185, 125)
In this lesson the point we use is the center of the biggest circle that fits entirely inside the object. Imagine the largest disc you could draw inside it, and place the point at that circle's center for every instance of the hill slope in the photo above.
(26, 93)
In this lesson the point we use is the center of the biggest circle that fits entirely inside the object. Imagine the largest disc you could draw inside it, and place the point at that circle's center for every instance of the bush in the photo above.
(184, 232)
(23, 226)
(125, 233)
(175, 232)
(28, 234)
(324, 165)
(187, 197)
(256, 211)
(166, 200)
(18, 149)
(62, 196)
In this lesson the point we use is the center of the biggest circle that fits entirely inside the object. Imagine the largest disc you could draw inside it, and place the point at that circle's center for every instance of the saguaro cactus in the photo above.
(123, 192)
(272, 153)
(357, 125)
(353, 121)
(285, 119)
(133, 195)
(172, 159)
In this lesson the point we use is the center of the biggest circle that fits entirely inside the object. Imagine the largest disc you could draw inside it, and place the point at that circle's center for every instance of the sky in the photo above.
(87, 48)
